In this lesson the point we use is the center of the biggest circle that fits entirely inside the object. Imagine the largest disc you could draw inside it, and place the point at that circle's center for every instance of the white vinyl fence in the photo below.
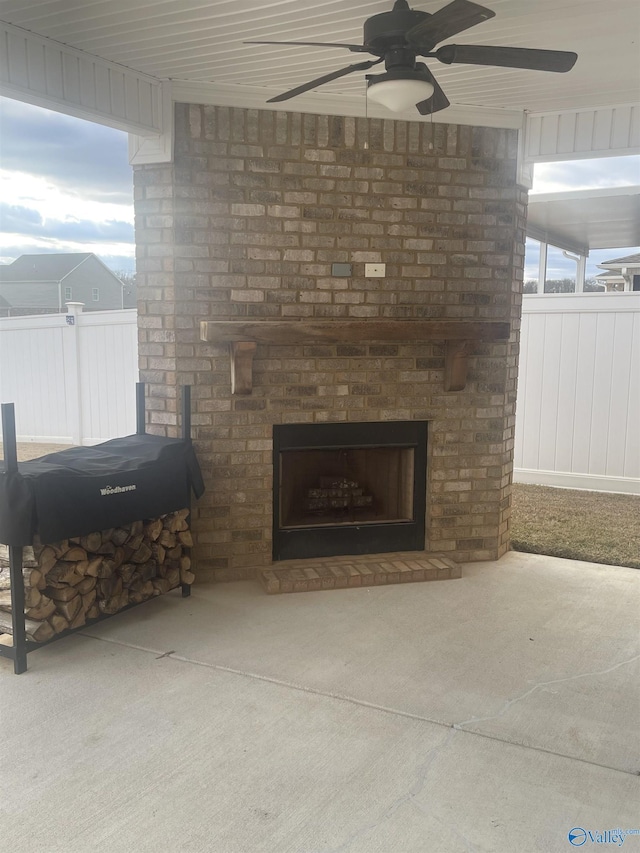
(72, 377)
(578, 412)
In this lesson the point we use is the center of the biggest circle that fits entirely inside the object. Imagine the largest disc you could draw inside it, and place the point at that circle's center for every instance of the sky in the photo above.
(66, 186)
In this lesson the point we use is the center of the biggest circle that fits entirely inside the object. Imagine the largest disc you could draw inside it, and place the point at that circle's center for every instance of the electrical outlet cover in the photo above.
(374, 270)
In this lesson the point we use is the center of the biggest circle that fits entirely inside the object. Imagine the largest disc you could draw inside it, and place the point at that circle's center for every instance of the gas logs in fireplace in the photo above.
(355, 488)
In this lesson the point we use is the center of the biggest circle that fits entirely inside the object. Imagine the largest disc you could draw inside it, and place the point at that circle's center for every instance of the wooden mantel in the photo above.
(244, 335)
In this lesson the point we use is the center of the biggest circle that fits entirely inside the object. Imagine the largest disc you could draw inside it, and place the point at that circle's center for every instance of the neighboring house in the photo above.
(43, 284)
(621, 273)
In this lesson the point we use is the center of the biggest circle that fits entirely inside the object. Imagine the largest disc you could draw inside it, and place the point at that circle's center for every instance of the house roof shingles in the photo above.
(52, 267)
(627, 261)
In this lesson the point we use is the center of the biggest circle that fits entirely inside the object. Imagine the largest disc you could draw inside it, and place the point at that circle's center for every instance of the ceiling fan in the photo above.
(399, 36)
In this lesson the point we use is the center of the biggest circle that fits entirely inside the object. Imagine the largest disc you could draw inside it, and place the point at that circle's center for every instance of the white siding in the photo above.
(578, 414)
(582, 133)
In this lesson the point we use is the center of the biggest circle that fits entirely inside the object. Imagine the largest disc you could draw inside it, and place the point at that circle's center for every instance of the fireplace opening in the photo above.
(349, 488)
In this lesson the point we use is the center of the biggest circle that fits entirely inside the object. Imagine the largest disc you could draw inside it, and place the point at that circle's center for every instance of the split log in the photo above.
(120, 536)
(86, 585)
(32, 597)
(58, 623)
(148, 571)
(65, 593)
(61, 548)
(142, 555)
(70, 609)
(167, 539)
(173, 576)
(46, 608)
(47, 559)
(75, 553)
(92, 569)
(63, 573)
(91, 542)
(160, 586)
(126, 572)
(88, 600)
(158, 552)
(154, 529)
(80, 620)
(106, 568)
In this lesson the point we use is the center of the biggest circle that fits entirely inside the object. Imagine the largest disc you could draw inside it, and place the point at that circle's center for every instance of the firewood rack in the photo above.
(21, 644)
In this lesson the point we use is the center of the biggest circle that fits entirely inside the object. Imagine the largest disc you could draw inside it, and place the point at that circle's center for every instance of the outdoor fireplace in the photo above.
(239, 294)
(352, 488)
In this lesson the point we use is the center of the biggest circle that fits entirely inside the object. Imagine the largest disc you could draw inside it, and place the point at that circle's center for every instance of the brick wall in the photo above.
(247, 223)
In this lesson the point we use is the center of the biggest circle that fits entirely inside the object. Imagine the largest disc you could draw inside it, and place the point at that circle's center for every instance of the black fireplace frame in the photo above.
(369, 538)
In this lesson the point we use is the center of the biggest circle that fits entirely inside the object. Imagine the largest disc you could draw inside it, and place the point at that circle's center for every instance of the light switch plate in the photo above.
(374, 270)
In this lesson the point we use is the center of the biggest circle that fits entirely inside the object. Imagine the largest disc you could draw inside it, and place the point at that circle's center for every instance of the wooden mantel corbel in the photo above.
(244, 335)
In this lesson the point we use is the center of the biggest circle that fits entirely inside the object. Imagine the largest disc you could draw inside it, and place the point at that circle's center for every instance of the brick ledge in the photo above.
(358, 570)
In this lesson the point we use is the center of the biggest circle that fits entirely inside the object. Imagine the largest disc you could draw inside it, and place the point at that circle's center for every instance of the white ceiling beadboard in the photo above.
(198, 46)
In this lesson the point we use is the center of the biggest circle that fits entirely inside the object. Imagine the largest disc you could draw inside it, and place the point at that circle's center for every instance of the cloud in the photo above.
(586, 174)
(17, 219)
(84, 158)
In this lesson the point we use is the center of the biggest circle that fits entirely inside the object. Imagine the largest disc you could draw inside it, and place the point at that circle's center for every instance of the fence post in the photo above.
(72, 371)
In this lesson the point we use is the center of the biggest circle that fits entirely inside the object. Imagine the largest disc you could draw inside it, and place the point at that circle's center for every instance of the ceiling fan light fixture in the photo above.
(398, 90)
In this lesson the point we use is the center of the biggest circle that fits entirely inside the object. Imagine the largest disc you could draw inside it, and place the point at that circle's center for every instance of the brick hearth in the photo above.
(246, 225)
(369, 570)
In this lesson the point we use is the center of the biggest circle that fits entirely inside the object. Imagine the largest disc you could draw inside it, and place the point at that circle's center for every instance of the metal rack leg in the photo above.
(140, 409)
(186, 435)
(19, 638)
(17, 610)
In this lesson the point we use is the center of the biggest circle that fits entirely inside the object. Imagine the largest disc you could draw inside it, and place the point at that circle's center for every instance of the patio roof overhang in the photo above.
(586, 219)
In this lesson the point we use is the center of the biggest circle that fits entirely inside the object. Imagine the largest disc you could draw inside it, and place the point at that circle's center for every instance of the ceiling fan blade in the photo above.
(507, 57)
(326, 78)
(446, 22)
(354, 48)
(438, 101)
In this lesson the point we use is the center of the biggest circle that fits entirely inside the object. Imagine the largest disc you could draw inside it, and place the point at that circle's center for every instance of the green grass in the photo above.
(598, 527)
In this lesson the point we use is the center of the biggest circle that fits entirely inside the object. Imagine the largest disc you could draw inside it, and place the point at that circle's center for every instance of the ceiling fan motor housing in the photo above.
(387, 30)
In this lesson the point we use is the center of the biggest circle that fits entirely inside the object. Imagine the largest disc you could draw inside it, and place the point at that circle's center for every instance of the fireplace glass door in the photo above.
(349, 488)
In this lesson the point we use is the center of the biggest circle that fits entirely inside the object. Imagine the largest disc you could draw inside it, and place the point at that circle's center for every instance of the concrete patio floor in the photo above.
(491, 713)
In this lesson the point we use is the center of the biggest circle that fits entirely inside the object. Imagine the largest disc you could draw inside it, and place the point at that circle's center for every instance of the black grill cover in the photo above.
(84, 489)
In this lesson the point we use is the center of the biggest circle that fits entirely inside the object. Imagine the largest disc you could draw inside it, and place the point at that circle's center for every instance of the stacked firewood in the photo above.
(70, 582)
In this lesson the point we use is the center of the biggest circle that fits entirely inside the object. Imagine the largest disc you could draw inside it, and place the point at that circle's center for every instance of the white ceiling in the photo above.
(198, 44)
